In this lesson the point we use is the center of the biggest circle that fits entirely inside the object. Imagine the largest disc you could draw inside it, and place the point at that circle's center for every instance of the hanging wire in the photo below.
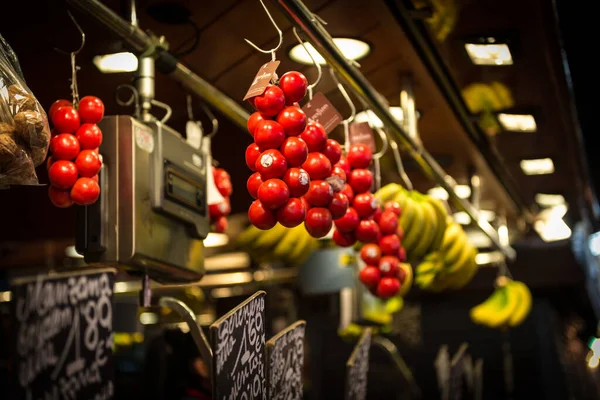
(74, 67)
(213, 120)
(400, 165)
(382, 135)
(346, 96)
(164, 106)
(317, 65)
(273, 50)
(134, 99)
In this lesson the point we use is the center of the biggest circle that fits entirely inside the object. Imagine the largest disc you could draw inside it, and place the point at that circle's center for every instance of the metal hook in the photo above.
(74, 67)
(317, 65)
(273, 50)
(346, 97)
(400, 165)
(382, 135)
(213, 120)
(82, 38)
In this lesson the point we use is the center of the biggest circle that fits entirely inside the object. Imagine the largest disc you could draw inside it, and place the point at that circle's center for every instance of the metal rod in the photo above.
(304, 19)
(141, 43)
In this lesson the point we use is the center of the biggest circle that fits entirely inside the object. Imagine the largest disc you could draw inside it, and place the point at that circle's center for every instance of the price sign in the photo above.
(238, 343)
(357, 368)
(361, 132)
(262, 79)
(285, 355)
(64, 336)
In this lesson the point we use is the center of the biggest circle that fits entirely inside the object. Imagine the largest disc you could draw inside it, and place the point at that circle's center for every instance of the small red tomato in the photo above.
(253, 122)
(315, 136)
(66, 119)
(293, 120)
(295, 151)
(306, 203)
(89, 136)
(367, 231)
(339, 205)
(333, 151)
(361, 180)
(319, 194)
(292, 213)
(365, 204)
(64, 147)
(95, 178)
(91, 109)
(369, 276)
(294, 86)
(387, 287)
(401, 275)
(388, 223)
(49, 162)
(337, 171)
(253, 184)
(271, 102)
(221, 225)
(88, 163)
(317, 165)
(252, 154)
(224, 186)
(349, 192)
(359, 156)
(344, 164)
(63, 174)
(318, 222)
(297, 181)
(269, 135)
(220, 174)
(85, 191)
(400, 233)
(349, 222)
(271, 164)
(389, 244)
(60, 198)
(261, 217)
(58, 104)
(219, 210)
(394, 207)
(343, 239)
(273, 193)
(370, 254)
(377, 214)
(402, 254)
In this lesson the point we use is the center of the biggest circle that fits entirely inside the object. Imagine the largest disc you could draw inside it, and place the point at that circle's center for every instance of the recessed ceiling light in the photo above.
(370, 117)
(517, 122)
(116, 62)
(549, 200)
(489, 53)
(352, 49)
(539, 166)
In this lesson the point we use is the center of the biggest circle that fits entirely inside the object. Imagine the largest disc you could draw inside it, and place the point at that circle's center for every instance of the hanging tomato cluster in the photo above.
(75, 161)
(218, 212)
(292, 159)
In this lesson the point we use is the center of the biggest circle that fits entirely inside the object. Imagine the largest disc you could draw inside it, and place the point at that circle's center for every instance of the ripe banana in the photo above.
(508, 306)
(429, 231)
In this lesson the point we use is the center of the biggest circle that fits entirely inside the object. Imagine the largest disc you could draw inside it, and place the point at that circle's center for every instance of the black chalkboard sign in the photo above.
(238, 343)
(457, 372)
(64, 336)
(357, 368)
(285, 358)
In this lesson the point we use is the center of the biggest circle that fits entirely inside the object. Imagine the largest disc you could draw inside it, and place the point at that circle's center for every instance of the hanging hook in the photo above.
(74, 67)
(317, 65)
(400, 165)
(346, 97)
(213, 120)
(273, 50)
(382, 135)
(82, 38)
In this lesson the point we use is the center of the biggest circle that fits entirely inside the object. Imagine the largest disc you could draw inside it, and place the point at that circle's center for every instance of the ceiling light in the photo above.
(438, 192)
(491, 257)
(478, 239)
(461, 218)
(370, 117)
(517, 122)
(462, 191)
(216, 240)
(489, 53)
(5, 297)
(550, 224)
(549, 200)
(116, 62)
(352, 49)
(487, 215)
(539, 166)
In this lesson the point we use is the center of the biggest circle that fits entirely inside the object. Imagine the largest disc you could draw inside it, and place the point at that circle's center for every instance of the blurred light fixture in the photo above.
(489, 52)
(549, 200)
(550, 224)
(72, 253)
(438, 192)
(478, 239)
(216, 240)
(148, 318)
(461, 218)
(594, 245)
(237, 260)
(490, 257)
(5, 297)
(352, 49)
(462, 191)
(517, 122)
(539, 166)
(116, 62)
(370, 117)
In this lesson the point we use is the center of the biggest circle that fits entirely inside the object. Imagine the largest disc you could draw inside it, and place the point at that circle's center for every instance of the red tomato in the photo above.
(377, 214)
(349, 192)
(394, 207)
(343, 239)
(57, 104)
(60, 198)
(95, 178)
(318, 222)
(369, 276)
(253, 122)
(361, 180)
(387, 287)
(349, 222)
(400, 233)
(315, 136)
(319, 194)
(66, 119)
(292, 213)
(359, 156)
(64, 147)
(271, 102)
(337, 171)
(261, 217)
(338, 205)
(252, 154)
(269, 135)
(220, 174)
(367, 231)
(89, 136)
(88, 163)
(293, 120)
(91, 109)
(85, 191)
(63, 174)
(365, 204)
(219, 210)
(344, 164)
(253, 184)
(333, 151)
(294, 86)
(297, 181)
(388, 222)
(49, 162)
(221, 225)
(271, 164)
(224, 187)
(317, 165)
(273, 193)
(390, 245)
(370, 254)
(402, 254)
(295, 151)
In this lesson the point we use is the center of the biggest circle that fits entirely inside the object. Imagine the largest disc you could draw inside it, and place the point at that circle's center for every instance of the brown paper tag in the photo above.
(262, 79)
(361, 132)
(321, 110)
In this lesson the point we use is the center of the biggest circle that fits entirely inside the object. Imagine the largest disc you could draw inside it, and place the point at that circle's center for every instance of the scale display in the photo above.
(184, 190)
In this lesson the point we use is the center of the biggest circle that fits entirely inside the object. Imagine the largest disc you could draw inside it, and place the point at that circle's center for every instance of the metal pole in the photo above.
(302, 17)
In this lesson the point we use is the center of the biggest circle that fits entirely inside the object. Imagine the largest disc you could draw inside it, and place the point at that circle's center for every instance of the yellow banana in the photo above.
(269, 238)
(247, 236)
(520, 290)
(456, 248)
(414, 231)
(452, 231)
(430, 231)
(408, 214)
(303, 247)
(442, 224)
(480, 313)
(291, 238)
(407, 284)
(388, 192)
(401, 198)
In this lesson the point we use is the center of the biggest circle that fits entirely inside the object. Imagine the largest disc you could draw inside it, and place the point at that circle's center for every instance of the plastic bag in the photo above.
(24, 130)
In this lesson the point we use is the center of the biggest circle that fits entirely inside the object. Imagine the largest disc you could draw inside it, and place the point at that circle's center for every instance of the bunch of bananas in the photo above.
(452, 266)
(292, 246)
(423, 220)
(508, 306)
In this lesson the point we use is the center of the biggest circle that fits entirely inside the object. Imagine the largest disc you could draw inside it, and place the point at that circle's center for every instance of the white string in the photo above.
(273, 50)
